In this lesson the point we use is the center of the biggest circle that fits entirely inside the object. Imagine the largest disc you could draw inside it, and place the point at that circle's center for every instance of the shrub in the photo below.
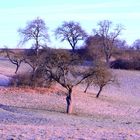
(133, 64)
(22, 79)
(25, 79)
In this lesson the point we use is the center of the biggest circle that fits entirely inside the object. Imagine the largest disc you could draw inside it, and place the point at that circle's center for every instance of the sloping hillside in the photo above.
(39, 114)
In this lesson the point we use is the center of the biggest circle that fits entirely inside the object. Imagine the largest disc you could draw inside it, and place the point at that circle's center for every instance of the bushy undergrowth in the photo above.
(22, 79)
(126, 64)
(25, 79)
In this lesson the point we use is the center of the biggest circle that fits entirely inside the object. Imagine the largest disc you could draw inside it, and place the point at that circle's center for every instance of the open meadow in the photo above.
(39, 114)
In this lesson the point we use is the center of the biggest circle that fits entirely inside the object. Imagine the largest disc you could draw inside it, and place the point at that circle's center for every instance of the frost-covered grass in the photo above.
(39, 114)
(29, 114)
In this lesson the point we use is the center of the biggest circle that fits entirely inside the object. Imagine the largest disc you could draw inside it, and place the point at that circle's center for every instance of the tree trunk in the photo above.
(17, 67)
(33, 78)
(86, 88)
(107, 60)
(73, 48)
(99, 92)
(69, 102)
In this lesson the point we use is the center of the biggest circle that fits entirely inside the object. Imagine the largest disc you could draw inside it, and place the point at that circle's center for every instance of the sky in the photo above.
(15, 14)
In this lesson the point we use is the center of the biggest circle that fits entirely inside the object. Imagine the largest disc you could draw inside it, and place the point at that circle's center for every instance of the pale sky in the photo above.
(14, 14)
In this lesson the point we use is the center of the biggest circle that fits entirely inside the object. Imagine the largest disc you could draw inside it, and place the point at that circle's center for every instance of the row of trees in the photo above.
(50, 66)
(103, 39)
(65, 67)
(104, 42)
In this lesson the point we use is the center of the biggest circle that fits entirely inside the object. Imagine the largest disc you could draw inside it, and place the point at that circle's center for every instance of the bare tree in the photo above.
(34, 62)
(71, 32)
(101, 78)
(15, 58)
(63, 67)
(107, 36)
(35, 31)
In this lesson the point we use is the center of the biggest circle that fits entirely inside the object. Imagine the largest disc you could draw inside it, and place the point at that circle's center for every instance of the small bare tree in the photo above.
(101, 78)
(107, 37)
(15, 58)
(37, 33)
(71, 32)
(34, 61)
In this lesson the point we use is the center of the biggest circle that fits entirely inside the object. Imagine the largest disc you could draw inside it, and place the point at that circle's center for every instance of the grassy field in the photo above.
(39, 114)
